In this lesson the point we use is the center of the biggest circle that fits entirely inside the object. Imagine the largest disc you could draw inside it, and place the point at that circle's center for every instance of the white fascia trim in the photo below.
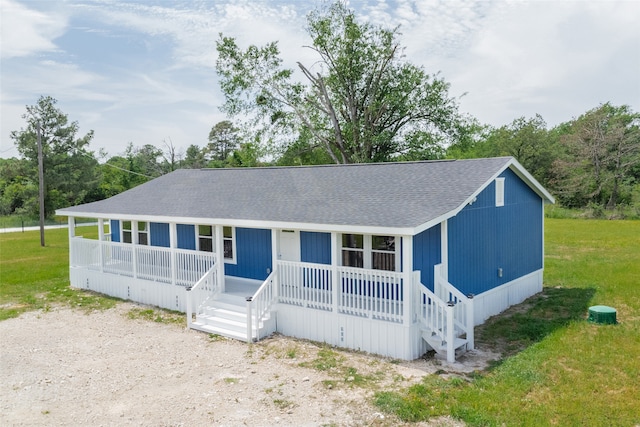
(357, 229)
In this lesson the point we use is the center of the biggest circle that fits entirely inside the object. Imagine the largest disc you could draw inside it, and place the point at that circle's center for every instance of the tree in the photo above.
(194, 159)
(528, 141)
(16, 188)
(362, 101)
(601, 153)
(223, 140)
(70, 169)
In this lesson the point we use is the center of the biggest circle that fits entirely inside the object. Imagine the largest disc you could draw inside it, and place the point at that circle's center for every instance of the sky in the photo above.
(144, 71)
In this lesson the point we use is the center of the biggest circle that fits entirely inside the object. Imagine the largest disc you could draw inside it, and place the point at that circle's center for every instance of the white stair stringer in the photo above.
(438, 342)
(226, 316)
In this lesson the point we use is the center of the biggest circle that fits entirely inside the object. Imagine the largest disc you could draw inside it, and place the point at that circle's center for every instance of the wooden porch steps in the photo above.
(437, 342)
(226, 316)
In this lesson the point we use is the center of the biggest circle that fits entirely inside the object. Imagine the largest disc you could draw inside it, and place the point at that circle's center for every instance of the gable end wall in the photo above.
(484, 238)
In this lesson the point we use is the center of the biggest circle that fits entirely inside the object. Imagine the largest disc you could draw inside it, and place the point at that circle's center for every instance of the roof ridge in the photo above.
(334, 165)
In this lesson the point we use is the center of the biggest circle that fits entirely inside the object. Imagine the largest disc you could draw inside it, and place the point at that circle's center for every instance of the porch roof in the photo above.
(407, 195)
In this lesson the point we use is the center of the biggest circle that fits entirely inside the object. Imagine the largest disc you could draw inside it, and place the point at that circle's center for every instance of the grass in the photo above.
(159, 316)
(35, 278)
(558, 369)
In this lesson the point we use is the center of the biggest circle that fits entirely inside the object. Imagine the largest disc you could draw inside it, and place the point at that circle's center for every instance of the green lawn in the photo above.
(558, 369)
(34, 277)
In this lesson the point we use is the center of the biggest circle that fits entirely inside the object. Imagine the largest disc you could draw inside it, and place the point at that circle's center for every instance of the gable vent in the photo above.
(499, 192)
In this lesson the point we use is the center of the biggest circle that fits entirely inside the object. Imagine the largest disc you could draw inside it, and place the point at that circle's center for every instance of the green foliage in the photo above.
(528, 141)
(70, 169)
(601, 158)
(362, 100)
(223, 141)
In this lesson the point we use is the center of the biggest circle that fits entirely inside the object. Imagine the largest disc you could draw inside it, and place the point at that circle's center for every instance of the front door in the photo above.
(289, 245)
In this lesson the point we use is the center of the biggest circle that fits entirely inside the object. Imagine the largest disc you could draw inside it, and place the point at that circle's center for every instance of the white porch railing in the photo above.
(305, 284)
(199, 294)
(376, 294)
(260, 304)
(175, 266)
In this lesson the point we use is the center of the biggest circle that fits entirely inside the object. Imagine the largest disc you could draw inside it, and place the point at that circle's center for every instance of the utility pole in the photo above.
(41, 184)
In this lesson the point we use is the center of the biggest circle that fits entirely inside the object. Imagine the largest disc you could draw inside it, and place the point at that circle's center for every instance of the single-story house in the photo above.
(389, 258)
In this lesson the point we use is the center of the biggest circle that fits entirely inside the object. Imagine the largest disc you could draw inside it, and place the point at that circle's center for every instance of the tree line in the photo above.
(361, 101)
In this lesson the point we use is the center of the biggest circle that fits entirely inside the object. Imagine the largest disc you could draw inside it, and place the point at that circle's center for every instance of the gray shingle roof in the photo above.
(407, 194)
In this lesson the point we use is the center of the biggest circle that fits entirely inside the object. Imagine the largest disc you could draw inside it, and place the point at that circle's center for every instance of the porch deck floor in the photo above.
(240, 287)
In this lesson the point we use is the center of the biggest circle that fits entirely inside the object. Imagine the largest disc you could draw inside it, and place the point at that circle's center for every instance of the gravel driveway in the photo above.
(66, 367)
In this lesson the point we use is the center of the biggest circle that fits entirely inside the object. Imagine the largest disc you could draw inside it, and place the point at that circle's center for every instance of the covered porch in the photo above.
(325, 302)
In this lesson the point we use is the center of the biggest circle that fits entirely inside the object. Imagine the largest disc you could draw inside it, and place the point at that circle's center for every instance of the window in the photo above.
(206, 241)
(205, 238)
(127, 237)
(228, 242)
(372, 252)
(383, 253)
(499, 192)
(143, 233)
(353, 250)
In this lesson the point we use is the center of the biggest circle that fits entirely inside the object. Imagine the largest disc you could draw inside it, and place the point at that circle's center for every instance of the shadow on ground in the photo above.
(529, 322)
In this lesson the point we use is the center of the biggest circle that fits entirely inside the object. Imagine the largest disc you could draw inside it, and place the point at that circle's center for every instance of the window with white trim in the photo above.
(229, 243)
(143, 233)
(383, 253)
(127, 236)
(499, 192)
(205, 238)
(369, 251)
(353, 250)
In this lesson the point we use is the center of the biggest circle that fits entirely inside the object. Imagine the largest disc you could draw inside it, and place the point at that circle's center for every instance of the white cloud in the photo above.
(26, 31)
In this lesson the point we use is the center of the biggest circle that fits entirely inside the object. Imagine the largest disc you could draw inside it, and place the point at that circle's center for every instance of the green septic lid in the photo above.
(602, 314)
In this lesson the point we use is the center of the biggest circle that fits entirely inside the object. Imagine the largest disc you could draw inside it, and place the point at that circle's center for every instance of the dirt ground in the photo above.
(67, 367)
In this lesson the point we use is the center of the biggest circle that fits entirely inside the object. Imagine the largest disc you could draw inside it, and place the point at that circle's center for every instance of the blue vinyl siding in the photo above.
(315, 247)
(253, 254)
(484, 238)
(115, 230)
(159, 234)
(186, 236)
(427, 253)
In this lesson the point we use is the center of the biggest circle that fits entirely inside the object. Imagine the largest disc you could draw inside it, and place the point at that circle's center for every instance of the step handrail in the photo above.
(261, 302)
(437, 315)
(204, 289)
(464, 316)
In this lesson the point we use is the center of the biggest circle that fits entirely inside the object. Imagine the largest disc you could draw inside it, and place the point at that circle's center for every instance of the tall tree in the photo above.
(223, 140)
(362, 101)
(602, 150)
(194, 158)
(70, 169)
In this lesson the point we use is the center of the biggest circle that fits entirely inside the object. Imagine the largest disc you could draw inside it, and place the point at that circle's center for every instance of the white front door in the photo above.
(289, 245)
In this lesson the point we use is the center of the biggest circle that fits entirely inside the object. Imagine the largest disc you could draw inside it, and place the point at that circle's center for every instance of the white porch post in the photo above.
(101, 243)
(407, 270)
(443, 271)
(444, 250)
(274, 262)
(134, 245)
(220, 256)
(173, 244)
(71, 221)
(335, 279)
